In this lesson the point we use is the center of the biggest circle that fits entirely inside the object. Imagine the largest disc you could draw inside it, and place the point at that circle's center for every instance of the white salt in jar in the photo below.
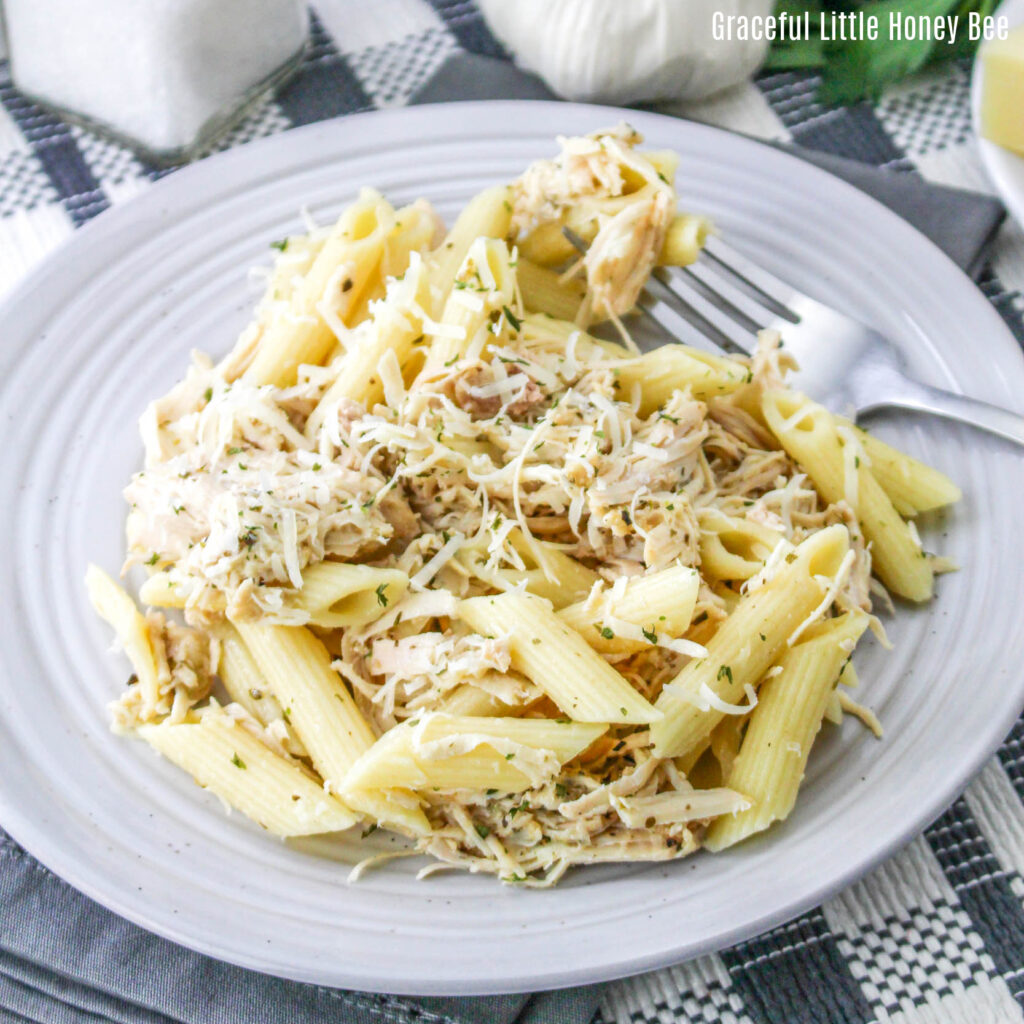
(165, 76)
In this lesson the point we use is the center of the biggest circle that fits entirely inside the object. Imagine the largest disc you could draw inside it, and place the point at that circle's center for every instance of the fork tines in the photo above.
(721, 301)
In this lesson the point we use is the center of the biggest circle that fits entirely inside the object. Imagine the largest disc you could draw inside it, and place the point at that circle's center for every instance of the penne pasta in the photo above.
(546, 246)
(339, 275)
(317, 705)
(112, 603)
(247, 686)
(770, 765)
(912, 486)
(487, 215)
(483, 289)
(732, 548)
(810, 437)
(747, 643)
(557, 659)
(312, 696)
(662, 372)
(561, 579)
(227, 760)
(545, 291)
(339, 594)
(448, 752)
(469, 700)
(684, 240)
(657, 606)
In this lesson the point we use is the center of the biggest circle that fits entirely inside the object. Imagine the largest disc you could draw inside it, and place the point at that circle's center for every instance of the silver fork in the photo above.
(724, 298)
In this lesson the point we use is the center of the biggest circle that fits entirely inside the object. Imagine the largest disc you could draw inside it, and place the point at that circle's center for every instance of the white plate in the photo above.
(1005, 169)
(108, 322)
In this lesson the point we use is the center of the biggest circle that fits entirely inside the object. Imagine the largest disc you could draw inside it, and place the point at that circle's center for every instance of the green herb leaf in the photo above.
(512, 318)
(860, 68)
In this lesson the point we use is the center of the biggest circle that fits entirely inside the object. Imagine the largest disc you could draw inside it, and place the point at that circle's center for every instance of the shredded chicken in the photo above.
(615, 197)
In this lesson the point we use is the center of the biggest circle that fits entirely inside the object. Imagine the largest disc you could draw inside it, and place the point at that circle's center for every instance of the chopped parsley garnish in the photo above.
(369, 830)
(280, 246)
(248, 538)
(725, 672)
(512, 318)
(208, 394)
(649, 635)
(153, 559)
(482, 831)
(561, 790)
(607, 632)
(382, 599)
(623, 712)
(234, 451)
(665, 416)
(317, 467)
(454, 359)
(508, 757)
(237, 761)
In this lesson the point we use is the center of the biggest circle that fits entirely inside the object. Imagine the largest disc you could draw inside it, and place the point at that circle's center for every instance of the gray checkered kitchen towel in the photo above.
(935, 935)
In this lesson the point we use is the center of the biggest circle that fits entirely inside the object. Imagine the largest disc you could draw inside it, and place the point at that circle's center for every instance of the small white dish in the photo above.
(1005, 169)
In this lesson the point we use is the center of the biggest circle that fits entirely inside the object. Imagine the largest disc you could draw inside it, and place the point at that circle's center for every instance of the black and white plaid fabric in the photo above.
(934, 936)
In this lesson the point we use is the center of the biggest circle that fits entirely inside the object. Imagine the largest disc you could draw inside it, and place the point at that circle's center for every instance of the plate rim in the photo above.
(126, 214)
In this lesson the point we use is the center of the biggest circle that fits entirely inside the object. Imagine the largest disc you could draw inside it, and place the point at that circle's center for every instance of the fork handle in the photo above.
(914, 395)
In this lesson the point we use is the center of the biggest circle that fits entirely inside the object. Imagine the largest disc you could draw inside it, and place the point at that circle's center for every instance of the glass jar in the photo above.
(163, 76)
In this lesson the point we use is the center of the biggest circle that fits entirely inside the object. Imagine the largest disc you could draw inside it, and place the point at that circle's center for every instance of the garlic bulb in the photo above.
(628, 51)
